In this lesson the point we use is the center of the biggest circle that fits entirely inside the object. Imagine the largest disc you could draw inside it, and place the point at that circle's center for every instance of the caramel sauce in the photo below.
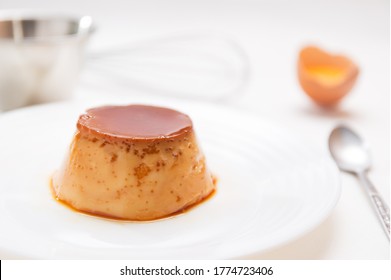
(135, 122)
(105, 216)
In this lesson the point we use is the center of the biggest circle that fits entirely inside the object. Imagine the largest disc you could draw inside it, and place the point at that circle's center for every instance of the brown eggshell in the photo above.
(326, 78)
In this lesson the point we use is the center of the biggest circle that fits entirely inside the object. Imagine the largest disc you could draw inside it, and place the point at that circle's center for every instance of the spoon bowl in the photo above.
(348, 150)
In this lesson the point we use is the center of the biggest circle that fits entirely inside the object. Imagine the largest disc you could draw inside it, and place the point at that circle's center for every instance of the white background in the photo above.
(272, 32)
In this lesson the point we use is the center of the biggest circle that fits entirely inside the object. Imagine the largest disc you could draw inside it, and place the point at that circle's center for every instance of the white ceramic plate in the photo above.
(272, 188)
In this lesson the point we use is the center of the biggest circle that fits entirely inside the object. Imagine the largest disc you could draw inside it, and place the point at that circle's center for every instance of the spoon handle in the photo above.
(379, 204)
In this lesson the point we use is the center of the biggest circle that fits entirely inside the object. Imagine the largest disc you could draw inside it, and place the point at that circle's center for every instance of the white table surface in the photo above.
(272, 32)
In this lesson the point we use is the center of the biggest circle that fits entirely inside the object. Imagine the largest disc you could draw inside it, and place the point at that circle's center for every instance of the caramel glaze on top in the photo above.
(135, 123)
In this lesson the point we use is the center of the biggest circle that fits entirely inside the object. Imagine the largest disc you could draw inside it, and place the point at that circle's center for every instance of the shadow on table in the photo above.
(308, 247)
(330, 113)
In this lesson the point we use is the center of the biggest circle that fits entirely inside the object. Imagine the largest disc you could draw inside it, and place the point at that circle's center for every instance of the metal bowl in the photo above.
(40, 57)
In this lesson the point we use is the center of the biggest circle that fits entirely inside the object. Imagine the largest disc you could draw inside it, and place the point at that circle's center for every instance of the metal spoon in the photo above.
(351, 155)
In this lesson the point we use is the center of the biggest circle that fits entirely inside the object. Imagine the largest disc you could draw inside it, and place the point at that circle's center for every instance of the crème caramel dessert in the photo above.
(133, 163)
